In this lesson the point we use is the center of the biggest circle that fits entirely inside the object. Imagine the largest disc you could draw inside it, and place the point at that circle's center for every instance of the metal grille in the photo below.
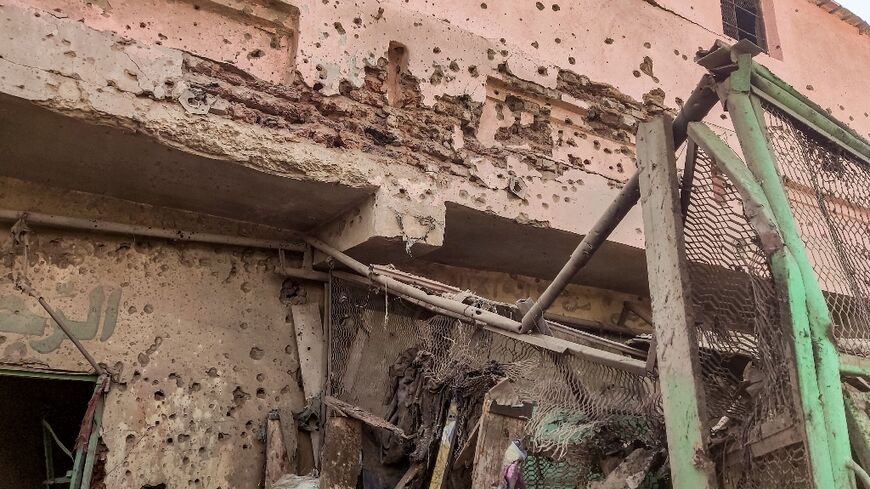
(744, 347)
(402, 362)
(829, 192)
(742, 19)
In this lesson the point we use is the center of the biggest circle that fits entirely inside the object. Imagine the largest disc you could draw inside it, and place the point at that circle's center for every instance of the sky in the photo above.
(859, 7)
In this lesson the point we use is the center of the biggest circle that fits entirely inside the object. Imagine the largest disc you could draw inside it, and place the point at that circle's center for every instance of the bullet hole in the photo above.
(246, 287)
(130, 439)
(317, 86)
(454, 66)
(261, 393)
(183, 437)
(436, 50)
(542, 70)
(647, 45)
(212, 372)
(159, 396)
(243, 325)
(483, 6)
(490, 54)
(556, 7)
(677, 52)
(558, 41)
(257, 353)
(169, 441)
(472, 70)
(195, 387)
(339, 28)
(636, 73)
(148, 308)
(257, 53)
(571, 60)
(535, 44)
(608, 41)
(539, 5)
(288, 349)
(240, 396)
(131, 310)
(810, 88)
(357, 21)
(261, 377)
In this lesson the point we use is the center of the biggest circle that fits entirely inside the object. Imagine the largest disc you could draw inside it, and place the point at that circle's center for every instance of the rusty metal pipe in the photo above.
(392, 284)
(51, 220)
(702, 99)
(25, 287)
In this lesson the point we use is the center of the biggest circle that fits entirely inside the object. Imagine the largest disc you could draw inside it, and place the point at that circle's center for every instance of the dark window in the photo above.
(742, 19)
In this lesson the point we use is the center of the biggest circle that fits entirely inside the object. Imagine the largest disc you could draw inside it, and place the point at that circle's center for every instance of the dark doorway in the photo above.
(24, 404)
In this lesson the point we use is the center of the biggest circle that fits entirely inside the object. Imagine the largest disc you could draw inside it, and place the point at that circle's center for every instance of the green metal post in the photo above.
(76, 477)
(93, 441)
(761, 162)
(788, 281)
(48, 449)
(792, 101)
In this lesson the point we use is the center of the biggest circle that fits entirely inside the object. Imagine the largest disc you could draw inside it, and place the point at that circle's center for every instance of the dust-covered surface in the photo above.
(196, 338)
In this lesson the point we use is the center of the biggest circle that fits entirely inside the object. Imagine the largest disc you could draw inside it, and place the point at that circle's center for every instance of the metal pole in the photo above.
(394, 286)
(821, 123)
(762, 163)
(493, 322)
(790, 290)
(27, 289)
(52, 220)
(702, 99)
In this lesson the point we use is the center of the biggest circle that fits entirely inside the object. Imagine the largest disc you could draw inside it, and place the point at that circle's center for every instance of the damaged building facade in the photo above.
(161, 159)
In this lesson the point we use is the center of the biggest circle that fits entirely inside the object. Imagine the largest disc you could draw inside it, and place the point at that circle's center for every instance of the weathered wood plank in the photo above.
(310, 344)
(495, 435)
(676, 344)
(277, 460)
(366, 417)
(448, 435)
(342, 454)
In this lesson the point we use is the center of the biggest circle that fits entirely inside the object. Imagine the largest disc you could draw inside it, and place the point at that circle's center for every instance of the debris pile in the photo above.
(413, 398)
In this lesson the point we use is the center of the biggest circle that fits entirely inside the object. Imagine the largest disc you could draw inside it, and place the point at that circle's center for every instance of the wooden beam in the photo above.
(342, 454)
(495, 435)
(277, 461)
(676, 348)
(445, 449)
(344, 409)
(310, 345)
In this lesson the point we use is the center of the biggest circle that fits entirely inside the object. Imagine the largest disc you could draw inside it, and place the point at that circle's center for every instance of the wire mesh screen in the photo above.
(406, 364)
(744, 346)
(829, 191)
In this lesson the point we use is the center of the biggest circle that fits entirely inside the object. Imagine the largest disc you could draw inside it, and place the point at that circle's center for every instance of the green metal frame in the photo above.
(818, 364)
(788, 280)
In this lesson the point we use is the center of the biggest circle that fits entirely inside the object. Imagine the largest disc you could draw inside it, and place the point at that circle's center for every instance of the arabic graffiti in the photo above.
(17, 317)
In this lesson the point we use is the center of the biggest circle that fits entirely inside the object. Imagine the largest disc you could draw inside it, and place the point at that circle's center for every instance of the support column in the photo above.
(679, 369)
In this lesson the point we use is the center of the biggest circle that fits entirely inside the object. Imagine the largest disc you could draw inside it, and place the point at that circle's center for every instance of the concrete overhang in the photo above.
(39, 145)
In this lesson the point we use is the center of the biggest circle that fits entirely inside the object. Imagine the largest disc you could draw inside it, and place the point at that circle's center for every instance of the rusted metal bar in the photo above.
(465, 312)
(394, 285)
(702, 99)
(27, 289)
(51, 220)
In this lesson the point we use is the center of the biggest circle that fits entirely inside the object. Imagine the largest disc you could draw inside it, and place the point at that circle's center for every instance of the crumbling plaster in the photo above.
(200, 350)
(203, 343)
(542, 91)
